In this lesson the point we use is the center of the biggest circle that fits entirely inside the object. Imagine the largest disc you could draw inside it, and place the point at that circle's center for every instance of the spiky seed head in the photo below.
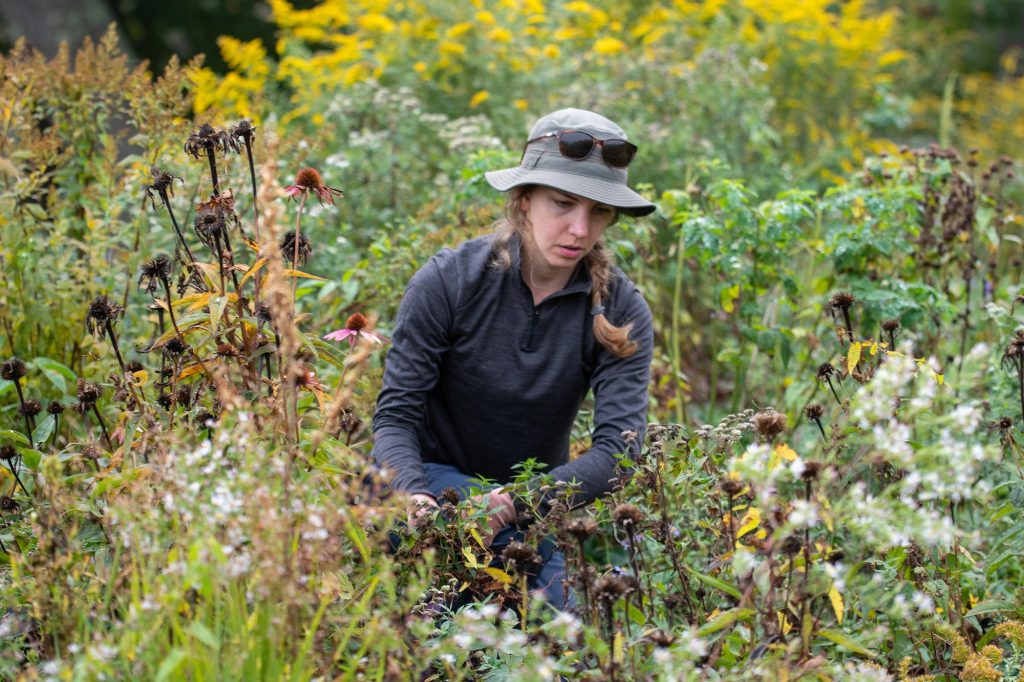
(309, 177)
(288, 247)
(228, 350)
(661, 639)
(826, 370)
(610, 587)
(31, 407)
(176, 347)
(812, 469)
(243, 130)
(134, 366)
(155, 272)
(356, 322)
(88, 393)
(450, 495)
(162, 181)
(891, 325)
(55, 407)
(627, 515)
(769, 423)
(1004, 423)
(164, 400)
(791, 545)
(8, 504)
(263, 312)
(519, 556)
(8, 452)
(183, 396)
(13, 370)
(581, 527)
(204, 417)
(842, 300)
(814, 411)
(101, 312)
(731, 487)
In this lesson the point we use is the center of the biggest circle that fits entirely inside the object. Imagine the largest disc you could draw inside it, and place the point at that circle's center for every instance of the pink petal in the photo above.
(339, 334)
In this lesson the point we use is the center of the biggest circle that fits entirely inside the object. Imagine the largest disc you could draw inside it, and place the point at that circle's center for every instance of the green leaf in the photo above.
(724, 620)
(846, 641)
(15, 436)
(58, 374)
(716, 583)
(204, 635)
(990, 606)
(43, 430)
(169, 668)
(30, 457)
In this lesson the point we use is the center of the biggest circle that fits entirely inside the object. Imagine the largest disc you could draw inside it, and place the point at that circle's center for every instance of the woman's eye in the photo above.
(561, 203)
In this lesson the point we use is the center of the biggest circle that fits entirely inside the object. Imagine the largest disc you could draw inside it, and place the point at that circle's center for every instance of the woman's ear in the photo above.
(524, 202)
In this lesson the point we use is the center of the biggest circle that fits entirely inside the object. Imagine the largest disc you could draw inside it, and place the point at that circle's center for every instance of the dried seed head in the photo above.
(581, 527)
(8, 504)
(164, 400)
(661, 638)
(176, 347)
(207, 138)
(1015, 348)
(1004, 424)
(812, 469)
(357, 322)
(55, 407)
(610, 587)
(891, 326)
(8, 452)
(13, 369)
(31, 407)
(288, 248)
(209, 223)
(88, 393)
(826, 370)
(814, 411)
(228, 350)
(791, 545)
(627, 515)
(731, 487)
(244, 131)
(162, 181)
(154, 273)
(769, 424)
(519, 556)
(183, 397)
(134, 366)
(450, 495)
(101, 311)
(263, 312)
(842, 300)
(205, 418)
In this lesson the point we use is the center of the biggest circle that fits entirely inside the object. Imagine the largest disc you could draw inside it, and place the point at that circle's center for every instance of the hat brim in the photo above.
(597, 189)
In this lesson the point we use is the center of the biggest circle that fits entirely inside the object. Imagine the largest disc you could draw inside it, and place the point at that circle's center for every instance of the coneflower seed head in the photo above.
(13, 369)
(356, 322)
(309, 177)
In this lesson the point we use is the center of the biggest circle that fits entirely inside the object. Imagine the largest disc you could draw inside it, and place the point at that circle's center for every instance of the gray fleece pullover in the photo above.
(481, 378)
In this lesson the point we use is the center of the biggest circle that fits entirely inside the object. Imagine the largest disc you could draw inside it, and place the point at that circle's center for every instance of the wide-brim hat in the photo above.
(543, 164)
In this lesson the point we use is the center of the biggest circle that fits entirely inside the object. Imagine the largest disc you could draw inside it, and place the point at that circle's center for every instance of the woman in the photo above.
(497, 343)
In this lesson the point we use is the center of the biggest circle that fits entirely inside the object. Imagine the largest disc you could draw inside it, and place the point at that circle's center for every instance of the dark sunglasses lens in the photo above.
(575, 145)
(618, 153)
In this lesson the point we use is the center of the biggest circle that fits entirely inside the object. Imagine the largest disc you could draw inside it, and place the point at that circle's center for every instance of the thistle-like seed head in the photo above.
(842, 300)
(731, 487)
(55, 407)
(812, 469)
(288, 248)
(8, 504)
(13, 370)
(826, 370)
(610, 587)
(155, 272)
(263, 312)
(243, 131)
(769, 423)
(8, 452)
(627, 515)
(88, 393)
(176, 347)
(814, 411)
(449, 495)
(31, 407)
(519, 557)
(309, 177)
(102, 311)
(581, 527)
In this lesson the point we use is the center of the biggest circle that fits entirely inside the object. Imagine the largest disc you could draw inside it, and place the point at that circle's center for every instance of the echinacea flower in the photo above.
(308, 181)
(354, 330)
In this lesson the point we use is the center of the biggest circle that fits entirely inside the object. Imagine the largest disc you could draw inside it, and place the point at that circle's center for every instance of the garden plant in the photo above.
(201, 271)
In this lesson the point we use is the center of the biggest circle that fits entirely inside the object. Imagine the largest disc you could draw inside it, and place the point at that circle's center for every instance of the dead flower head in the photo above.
(288, 248)
(155, 273)
(519, 557)
(581, 527)
(102, 311)
(206, 138)
(769, 423)
(627, 515)
(13, 370)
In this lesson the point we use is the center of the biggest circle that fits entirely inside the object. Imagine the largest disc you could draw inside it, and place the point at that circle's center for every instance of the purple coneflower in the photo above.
(354, 330)
(308, 181)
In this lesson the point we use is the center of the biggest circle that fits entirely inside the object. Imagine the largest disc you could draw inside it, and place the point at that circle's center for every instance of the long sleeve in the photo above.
(420, 339)
(620, 402)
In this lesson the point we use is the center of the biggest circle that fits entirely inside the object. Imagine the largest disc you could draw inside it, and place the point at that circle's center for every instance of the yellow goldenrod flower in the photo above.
(979, 669)
(1013, 630)
(485, 17)
(478, 99)
(520, 104)
(609, 46)
(579, 6)
(551, 51)
(460, 29)
(447, 47)
(419, 67)
(500, 34)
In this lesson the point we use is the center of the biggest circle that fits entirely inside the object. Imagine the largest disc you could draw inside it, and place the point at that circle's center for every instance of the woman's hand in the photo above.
(419, 505)
(500, 512)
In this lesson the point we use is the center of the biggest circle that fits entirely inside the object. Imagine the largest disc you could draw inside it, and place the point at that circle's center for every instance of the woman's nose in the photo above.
(580, 223)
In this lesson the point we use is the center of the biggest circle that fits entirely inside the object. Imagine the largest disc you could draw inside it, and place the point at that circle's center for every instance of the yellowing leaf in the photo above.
(853, 356)
(498, 574)
(253, 270)
(470, 558)
(479, 540)
(189, 371)
(617, 647)
(141, 377)
(728, 298)
(784, 623)
(837, 603)
(751, 520)
(939, 379)
(296, 273)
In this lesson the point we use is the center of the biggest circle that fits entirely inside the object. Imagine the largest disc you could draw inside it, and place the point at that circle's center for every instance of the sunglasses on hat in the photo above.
(577, 145)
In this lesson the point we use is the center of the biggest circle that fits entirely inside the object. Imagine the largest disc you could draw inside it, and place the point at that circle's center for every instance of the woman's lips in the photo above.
(570, 251)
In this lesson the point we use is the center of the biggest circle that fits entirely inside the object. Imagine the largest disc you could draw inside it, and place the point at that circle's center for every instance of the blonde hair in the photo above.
(599, 264)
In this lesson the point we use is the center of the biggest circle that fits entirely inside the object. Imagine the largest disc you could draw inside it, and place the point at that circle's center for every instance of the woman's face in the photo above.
(564, 228)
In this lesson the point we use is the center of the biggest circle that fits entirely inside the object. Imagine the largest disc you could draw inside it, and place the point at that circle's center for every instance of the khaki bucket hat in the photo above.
(590, 177)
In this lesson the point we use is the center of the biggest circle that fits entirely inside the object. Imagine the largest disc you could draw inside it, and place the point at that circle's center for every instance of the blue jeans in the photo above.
(552, 573)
